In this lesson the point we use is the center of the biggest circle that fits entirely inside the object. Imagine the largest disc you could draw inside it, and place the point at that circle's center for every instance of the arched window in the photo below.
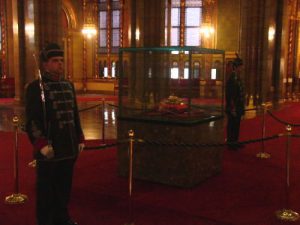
(186, 70)
(187, 16)
(109, 34)
(175, 23)
(102, 30)
(105, 70)
(218, 68)
(113, 69)
(116, 28)
(109, 16)
(193, 21)
(174, 70)
(101, 69)
(196, 70)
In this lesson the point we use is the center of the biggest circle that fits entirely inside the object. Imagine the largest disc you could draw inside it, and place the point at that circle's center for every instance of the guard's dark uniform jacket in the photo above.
(63, 130)
(235, 106)
(235, 97)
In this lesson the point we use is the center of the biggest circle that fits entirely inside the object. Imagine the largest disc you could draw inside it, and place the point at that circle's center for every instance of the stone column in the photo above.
(252, 44)
(13, 45)
(48, 25)
(277, 50)
(34, 23)
(150, 23)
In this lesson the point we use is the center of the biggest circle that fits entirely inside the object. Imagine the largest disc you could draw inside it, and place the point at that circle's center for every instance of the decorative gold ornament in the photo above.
(263, 155)
(287, 215)
(16, 199)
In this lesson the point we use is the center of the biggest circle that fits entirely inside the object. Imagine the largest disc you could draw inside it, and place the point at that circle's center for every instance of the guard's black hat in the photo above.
(51, 50)
(237, 61)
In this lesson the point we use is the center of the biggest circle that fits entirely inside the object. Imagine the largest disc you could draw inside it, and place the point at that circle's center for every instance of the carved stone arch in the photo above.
(68, 9)
(71, 25)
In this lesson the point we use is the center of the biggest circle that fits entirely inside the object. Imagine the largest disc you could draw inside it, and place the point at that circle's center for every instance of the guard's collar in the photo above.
(53, 77)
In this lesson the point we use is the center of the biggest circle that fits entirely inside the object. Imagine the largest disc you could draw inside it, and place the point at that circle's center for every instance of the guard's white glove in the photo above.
(47, 151)
(80, 147)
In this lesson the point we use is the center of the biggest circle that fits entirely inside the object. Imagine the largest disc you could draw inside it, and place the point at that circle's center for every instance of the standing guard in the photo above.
(54, 129)
(235, 104)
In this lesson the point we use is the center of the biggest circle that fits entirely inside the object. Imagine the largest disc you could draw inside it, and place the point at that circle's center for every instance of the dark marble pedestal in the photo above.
(172, 165)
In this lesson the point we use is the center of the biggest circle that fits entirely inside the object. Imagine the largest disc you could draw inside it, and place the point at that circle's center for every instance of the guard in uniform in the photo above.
(235, 104)
(53, 127)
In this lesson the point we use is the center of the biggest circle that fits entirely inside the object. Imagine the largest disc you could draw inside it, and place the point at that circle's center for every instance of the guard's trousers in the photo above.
(233, 127)
(53, 188)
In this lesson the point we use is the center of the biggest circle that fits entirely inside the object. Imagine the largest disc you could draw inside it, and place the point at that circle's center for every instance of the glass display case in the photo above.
(171, 95)
(171, 84)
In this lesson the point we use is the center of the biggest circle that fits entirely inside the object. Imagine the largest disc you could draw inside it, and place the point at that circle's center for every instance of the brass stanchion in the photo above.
(251, 102)
(263, 154)
(32, 164)
(130, 177)
(287, 214)
(16, 198)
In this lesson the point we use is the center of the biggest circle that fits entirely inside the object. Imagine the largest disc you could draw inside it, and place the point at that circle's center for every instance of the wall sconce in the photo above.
(137, 34)
(89, 30)
(207, 30)
(271, 33)
(29, 29)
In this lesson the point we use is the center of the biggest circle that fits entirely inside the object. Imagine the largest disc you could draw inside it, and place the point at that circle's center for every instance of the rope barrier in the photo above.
(88, 108)
(210, 108)
(262, 139)
(295, 135)
(182, 144)
(282, 121)
(113, 105)
(103, 146)
(252, 109)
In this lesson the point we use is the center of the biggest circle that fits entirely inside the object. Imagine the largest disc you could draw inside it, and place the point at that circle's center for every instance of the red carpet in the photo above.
(6, 100)
(247, 192)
